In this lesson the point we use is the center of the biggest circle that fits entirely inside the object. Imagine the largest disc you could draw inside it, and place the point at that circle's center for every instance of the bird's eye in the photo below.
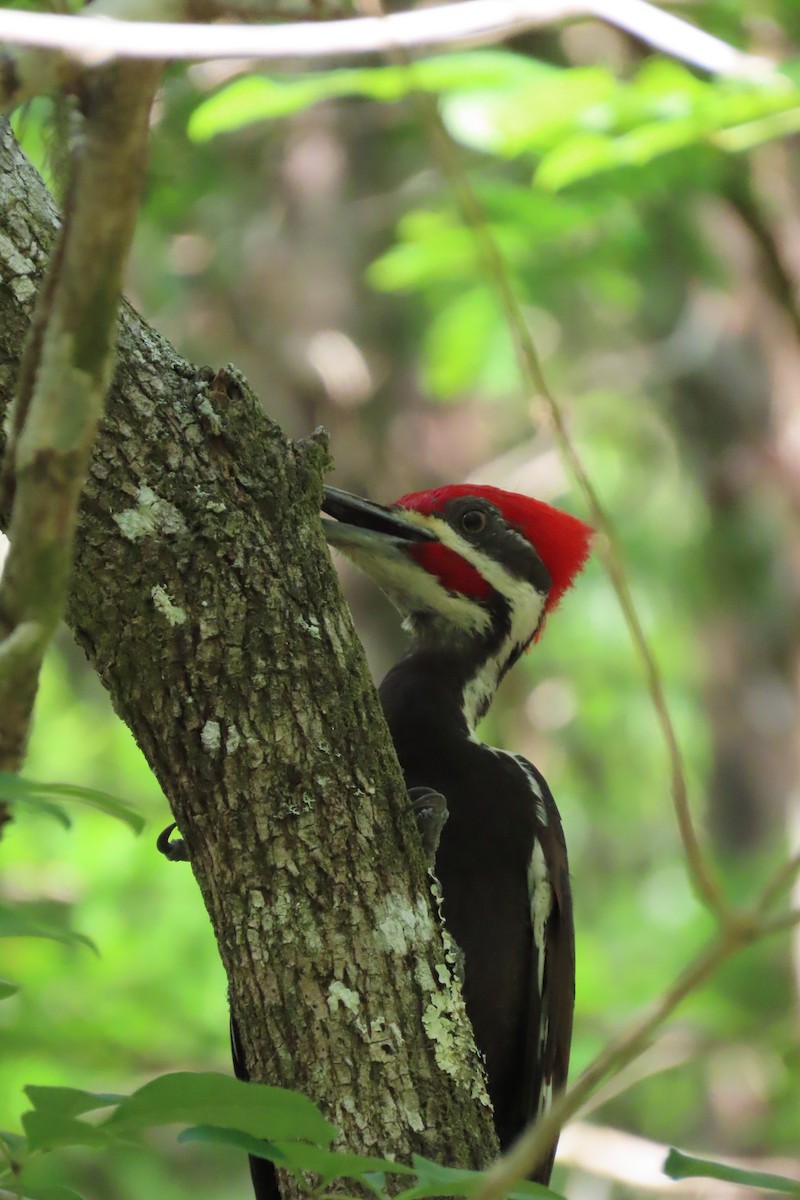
(473, 521)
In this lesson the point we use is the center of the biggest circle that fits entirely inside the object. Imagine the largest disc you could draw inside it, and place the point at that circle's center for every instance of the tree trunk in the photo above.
(204, 598)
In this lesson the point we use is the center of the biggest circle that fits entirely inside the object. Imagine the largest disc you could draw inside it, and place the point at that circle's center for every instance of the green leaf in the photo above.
(262, 98)
(210, 1099)
(333, 1164)
(298, 1156)
(232, 1137)
(67, 1101)
(250, 99)
(15, 790)
(15, 922)
(683, 1166)
(15, 1143)
(538, 115)
(56, 1191)
(579, 156)
(755, 133)
(8, 989)
(48, 1129)
(435, 1180)
(36, 804)
(53, 1121)
(456, 339)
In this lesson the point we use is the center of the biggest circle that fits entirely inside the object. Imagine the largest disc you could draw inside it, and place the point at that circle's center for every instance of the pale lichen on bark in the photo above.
(172, 613)
(149, 516)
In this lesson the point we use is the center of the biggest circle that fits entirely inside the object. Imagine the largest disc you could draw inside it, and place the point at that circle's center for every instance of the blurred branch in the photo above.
(778, 276)
(781, 882)
(741, 930)
(638, 1162)
(99, 34)
(701, 873)
(789, 920)
(60, 396)
(735, 929)
(671, 1049)
(621, 1050)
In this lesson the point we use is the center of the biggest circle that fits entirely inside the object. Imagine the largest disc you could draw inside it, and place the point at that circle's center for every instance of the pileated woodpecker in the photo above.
(475, 572)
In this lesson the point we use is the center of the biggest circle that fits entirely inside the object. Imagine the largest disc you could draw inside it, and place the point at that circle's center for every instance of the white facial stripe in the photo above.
(479, 691)
(525, 607)
(410, 587)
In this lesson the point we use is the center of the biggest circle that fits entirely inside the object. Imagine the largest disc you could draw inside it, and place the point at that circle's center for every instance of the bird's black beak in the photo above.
(362, 525)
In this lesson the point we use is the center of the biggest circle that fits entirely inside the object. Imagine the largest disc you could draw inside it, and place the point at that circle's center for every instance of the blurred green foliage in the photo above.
(647, 222)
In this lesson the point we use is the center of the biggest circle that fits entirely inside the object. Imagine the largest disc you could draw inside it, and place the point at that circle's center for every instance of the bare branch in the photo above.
(63, 390)
(89, 40)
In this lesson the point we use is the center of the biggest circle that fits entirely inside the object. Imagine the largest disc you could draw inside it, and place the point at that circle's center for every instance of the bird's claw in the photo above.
(175, 851)
(430, 811)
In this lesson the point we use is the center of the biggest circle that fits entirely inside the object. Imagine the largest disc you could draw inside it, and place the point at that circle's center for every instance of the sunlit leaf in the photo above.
(456, 340)
(582, 155)
(431, 248)
(756, 132)
(536, 116)
(261, 98)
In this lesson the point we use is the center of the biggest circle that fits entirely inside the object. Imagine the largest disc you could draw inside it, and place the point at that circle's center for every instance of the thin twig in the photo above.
(780, 882)
(91, 40)
(703, 878)
(789, 920)
(735, 929)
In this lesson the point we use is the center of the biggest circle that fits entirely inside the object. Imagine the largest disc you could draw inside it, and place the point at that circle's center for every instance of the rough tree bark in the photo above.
(204, 598)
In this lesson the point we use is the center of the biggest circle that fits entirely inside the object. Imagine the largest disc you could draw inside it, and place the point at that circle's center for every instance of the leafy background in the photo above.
(302, 227)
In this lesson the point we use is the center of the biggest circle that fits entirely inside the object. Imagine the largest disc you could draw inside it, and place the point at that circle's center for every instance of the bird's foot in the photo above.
(430, 811)
(175, 851)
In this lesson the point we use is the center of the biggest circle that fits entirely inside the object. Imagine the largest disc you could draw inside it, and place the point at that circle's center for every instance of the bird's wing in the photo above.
(552, 976)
